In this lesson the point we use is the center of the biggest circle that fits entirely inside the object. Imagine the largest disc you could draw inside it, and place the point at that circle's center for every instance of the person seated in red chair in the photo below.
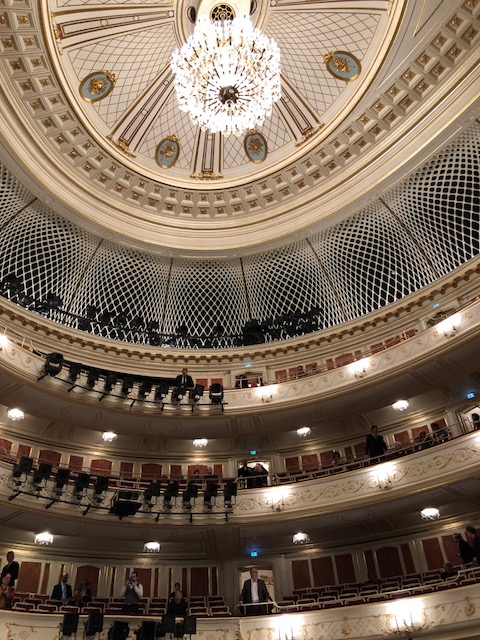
(77, 600)
(177, 606)
(6, 592)
(253, 593)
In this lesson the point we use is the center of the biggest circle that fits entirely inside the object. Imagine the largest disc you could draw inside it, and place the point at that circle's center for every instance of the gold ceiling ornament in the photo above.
(255, 145)
(343, 65)
(97, 85)
(167, 152)
(122, 145)
(222, 11)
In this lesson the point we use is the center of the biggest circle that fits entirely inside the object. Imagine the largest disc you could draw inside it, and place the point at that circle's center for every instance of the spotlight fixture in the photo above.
(101, 485)
(125, 503)
(63, 476)
(44, 538)
(151, 547)
(109, 436)
(41, 474)
(152, 491)
(92, 377)
(200, 442)
(300, 538)
(229, 493)
(196, 393)
(53, 365)
(127, 385)
(190, 492)
(400, 405)
(74, 372)
(15, 414)
(430, 513)
(161, 391)
(23, 466)
(110, 381)
(210, 492)
(171, 492)
(216, 393)
(81, 483)
(144, 389)
(304, 431)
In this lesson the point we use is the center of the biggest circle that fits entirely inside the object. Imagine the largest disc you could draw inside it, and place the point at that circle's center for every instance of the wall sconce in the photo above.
(359, 368)
(277, 498)
(384, 482)
(449, 326)
(266, 393)
(407, 621)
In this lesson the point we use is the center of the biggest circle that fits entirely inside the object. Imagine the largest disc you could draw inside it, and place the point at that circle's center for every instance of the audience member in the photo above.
(448, 571)
(253, 593)
(476, 420)
(132, 592)
(177, 606)
(244, 472)
(372, 578)
(6, 592)
(62, 590)
(244, 382)
(474, 541)
(422, 441)
(12, 567)
(84, 588)
(184, 380)
(177, 587)
(465, 551)
(375, 445)
(77, 600)
(440, 434)
(259, 476)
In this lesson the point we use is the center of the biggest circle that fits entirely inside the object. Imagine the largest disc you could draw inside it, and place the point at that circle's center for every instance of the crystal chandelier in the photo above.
(44, 538)
(301, 538)
(227, 75)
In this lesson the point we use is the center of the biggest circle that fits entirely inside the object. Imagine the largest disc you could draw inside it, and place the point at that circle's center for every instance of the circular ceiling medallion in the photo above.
(97, 86)
(343, 65)
(256, 147)
(221, 12)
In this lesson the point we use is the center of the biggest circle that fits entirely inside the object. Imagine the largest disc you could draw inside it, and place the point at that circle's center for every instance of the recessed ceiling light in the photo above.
(400, 405)
(200, 442)
(151, 547)
(301, 538)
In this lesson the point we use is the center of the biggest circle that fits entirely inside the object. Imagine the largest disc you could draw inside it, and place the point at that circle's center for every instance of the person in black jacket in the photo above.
(254, 591)
(465, 551)
(184, 380)
(62, 590)
(474, 541)
(12, 567)
(375, 446)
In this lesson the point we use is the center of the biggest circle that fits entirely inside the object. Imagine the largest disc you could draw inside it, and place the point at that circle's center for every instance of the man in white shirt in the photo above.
(132, 591)
(253, 593)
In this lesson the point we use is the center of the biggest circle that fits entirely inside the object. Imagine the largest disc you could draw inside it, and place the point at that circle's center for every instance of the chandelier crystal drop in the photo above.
(227, 75)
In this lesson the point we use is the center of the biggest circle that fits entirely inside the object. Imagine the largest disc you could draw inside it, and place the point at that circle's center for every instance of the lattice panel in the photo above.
(46, 251)
(120, 280)
(135, 59)
(440, 203)
(371, 260)
(203, 293)
(172, 121)
(13, 197)
(305, 37)
(288, 280)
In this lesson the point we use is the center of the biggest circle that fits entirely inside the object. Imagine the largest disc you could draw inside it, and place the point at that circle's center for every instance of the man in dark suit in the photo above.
(184, 380)
(62, 590)
(255, 591)
(375, 446)
(12, 567)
